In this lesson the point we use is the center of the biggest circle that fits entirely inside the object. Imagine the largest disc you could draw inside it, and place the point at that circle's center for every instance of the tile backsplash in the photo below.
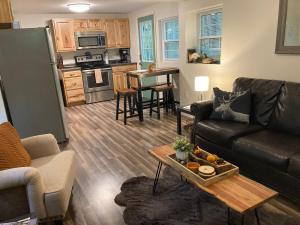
(68, 57)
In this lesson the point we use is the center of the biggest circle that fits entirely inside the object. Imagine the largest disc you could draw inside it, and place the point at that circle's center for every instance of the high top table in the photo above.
(237, 192)
(140, 74)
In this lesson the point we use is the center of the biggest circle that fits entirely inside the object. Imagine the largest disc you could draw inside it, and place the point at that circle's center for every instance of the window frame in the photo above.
(164, 41)
(199, 37)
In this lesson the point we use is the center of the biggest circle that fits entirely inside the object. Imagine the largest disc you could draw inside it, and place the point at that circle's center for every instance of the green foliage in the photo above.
(182, 145)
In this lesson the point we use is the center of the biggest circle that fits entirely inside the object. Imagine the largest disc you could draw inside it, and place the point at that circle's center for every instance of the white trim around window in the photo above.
(169, 55)
(214, 40)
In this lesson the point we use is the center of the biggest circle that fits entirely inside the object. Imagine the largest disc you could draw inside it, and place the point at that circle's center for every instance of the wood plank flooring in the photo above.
(108, 153)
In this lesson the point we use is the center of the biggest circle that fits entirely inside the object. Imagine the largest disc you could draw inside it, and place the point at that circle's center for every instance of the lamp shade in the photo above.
(201, 83)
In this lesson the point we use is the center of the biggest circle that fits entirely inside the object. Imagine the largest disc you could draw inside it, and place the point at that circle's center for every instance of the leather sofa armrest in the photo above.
(202, 110)
(32, 180)
(41, 145)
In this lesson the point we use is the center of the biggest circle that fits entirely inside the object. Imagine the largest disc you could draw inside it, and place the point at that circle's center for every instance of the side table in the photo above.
(184, 109)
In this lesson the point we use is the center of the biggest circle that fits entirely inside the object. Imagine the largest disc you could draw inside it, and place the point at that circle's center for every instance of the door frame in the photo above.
(141, 19)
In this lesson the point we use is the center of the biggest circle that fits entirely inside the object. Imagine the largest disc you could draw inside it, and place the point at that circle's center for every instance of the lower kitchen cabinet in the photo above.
(72, 87)
(119, 76)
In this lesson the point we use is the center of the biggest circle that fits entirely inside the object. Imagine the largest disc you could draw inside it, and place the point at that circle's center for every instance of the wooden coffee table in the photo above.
(237, 192)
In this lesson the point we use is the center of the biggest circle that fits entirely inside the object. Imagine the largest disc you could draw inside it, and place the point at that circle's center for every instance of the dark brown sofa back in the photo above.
(264, 97)
(286, 116)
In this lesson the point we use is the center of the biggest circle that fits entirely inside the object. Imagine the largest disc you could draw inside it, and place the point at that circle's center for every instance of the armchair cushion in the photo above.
(58, 174)
(41, 145)
(12, 152)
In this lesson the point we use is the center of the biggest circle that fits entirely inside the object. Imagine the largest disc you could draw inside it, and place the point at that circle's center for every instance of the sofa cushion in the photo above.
(12, 152)
(294, 165)
(268, 146)
(58, 173)
(231, 106)
(264, 96)
(287, 110)
(223, 132)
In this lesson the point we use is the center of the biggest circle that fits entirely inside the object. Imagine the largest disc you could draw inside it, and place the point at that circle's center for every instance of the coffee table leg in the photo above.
(257, 218)
(228, 215)
(156, 177)
(243, 219)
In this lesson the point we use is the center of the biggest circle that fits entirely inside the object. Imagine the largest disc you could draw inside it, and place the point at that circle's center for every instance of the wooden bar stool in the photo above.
(168, 100)
(130, 96)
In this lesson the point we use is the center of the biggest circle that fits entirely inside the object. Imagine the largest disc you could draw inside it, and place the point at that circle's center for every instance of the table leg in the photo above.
(257, 218)
(179, 121)
(156, 177)
(243, 219)
(228, 216)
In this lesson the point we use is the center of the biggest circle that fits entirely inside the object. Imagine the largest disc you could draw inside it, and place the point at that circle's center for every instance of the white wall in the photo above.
(248, 45)
(159, 11)
(41, 20)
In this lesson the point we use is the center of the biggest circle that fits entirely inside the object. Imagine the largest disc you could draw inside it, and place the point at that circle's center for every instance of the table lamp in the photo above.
(201, 85)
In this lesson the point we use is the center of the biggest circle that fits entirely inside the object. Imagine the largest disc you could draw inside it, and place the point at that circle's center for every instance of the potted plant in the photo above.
(182, 147)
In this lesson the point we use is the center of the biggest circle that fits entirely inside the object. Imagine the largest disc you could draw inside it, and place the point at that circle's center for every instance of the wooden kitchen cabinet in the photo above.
(64, 35)
(120, 79)
(72, 87)
(123, 33)
(111, 33)
(96, 25)
(80, 25)
(118, 33)
(6, 16)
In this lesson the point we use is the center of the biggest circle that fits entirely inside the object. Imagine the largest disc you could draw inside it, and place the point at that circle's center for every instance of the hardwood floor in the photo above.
(108, 153)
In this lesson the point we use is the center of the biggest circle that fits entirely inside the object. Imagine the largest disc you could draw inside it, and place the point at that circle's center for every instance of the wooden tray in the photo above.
(223, 171)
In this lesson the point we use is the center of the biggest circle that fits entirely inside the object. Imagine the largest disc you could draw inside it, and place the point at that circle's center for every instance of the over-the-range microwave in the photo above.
(90, 39)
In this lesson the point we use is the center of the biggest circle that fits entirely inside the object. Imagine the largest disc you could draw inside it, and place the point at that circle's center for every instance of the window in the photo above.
(170, 39)
(210, 33)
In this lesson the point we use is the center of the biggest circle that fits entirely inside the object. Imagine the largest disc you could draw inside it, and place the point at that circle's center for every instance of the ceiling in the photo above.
(98, 6)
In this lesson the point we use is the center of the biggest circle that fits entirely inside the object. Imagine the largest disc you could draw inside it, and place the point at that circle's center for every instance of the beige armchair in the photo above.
(44, 188)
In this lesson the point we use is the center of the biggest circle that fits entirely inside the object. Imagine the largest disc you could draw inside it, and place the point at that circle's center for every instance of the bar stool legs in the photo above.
(158, 105)
(168, 100)
(130, 98)
(118, 106)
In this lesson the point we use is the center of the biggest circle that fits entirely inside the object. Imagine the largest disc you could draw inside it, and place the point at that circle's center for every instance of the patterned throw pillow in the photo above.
(12, 152)
(232, 106)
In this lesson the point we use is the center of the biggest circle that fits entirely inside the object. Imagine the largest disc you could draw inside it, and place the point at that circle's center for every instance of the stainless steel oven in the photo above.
(90, 39)
(98, 91)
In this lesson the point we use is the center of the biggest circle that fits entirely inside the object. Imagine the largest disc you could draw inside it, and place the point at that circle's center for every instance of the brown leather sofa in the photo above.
(267, 149)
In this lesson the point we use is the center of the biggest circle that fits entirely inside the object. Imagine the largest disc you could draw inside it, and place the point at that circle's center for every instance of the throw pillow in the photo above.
(12, 152)
(232, 106)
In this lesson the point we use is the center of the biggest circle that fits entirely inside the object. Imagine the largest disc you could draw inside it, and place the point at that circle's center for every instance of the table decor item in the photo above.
(151, 67)
(182, 147)
(193, 166)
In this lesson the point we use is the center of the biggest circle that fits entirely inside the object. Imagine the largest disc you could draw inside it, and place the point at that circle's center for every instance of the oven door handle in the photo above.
(92, 71)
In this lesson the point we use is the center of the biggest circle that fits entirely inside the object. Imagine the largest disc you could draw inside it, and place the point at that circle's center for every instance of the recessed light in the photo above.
(79, 7)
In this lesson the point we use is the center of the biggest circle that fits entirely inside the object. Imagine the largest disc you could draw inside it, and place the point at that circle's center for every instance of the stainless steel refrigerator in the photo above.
(30, 84)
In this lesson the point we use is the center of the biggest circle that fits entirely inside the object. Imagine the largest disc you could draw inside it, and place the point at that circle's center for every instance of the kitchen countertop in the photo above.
(70, 68)
(122, 64)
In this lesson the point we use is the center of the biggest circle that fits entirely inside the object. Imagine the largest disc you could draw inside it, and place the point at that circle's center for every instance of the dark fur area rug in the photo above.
(179, 203)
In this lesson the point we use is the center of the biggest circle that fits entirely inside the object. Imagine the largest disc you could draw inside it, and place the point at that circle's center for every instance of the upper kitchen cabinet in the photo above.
(64, 35)
(96, 24)
(89, 25)
(80, 25)
(6, 16)
(118, 33)
(111, 33)
(123, 33)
